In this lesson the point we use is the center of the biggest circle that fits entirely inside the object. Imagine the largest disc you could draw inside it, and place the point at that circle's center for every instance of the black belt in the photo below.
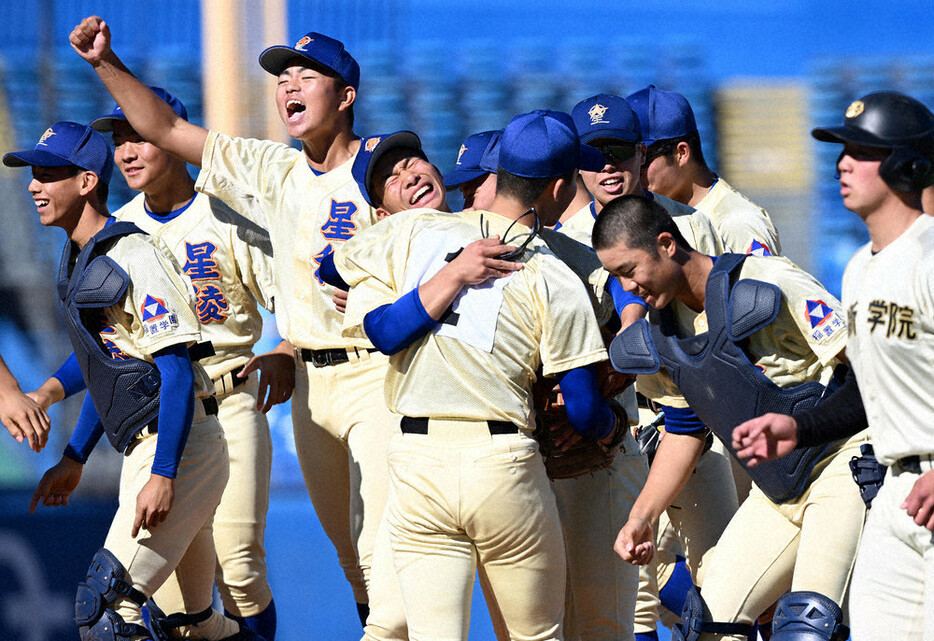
(411, 425)
(910, 464)
(325, 357)
(235, 378)
(210, 405)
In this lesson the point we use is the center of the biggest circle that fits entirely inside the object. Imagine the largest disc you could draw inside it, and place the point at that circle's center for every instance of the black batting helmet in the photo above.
(891, 120)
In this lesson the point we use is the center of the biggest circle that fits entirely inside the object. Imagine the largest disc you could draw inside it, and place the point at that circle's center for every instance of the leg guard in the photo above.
(161, 624)
(695, 620)
(103, 585)
(808, 616)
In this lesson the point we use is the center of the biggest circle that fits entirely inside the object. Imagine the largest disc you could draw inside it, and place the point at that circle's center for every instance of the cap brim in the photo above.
(275, 59)
(398, 140)
(614, 134)
(591, 159)
(846, 134)
(35, 158)
(105, 124)
(458, 177)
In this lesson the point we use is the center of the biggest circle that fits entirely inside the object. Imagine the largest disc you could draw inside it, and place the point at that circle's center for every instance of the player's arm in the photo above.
(66, 381)
(22, 416)
(394, 326)
(841, 414)
(277, 375)
(588, 412)
(150, 116)
(629, 307)
(674, 462)
(176, 409)
(60, 481)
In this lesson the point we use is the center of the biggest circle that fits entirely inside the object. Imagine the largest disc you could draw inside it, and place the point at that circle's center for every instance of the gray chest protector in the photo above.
(716, 377)
(125, 392)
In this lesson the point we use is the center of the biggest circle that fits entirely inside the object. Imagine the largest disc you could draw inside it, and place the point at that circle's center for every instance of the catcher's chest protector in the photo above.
(125, 392)
(717, 378)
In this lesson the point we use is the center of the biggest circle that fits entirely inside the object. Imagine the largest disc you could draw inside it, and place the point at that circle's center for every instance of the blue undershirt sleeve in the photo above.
(176, 408)
(588, 412)
(329, 274)
(88, 432)
(396, 326)
(622, 298)
(69, 375)
(681, 420)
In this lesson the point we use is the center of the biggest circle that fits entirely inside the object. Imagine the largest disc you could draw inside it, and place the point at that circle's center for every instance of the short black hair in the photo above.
(637, 221)
(693, 142)
(524, 190)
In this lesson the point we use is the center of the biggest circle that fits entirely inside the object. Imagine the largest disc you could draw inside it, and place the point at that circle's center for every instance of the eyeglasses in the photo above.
(616, 153)
(659, 149)
(517, 252)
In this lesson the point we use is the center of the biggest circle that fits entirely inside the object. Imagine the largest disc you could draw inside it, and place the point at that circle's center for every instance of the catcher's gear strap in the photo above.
(111, 627)
(808, 616)
(103, 584)
(125, 392)
(713, 364)
(868, 473)
(696, 620)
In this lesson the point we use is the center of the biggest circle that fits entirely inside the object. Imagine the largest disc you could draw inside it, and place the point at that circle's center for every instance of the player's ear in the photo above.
(666, 245)
(348, 96)
(682, 153)
(381, 213)
(89, 182)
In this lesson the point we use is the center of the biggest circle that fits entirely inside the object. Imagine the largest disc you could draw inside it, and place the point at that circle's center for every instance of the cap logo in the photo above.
(48, 134)
(371, 144)
(304, 41)
(596, 114)
(855, 109)
(460, 153)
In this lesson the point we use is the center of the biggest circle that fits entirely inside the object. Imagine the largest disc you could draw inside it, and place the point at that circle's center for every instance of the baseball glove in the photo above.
(583, 457)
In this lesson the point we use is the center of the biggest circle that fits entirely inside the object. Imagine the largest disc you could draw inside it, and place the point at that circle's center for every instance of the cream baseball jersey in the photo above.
(306, 216)
(800, 345)
(478, 363)
(889, 298)
(230, 266)
(158, 309)
(744, 226)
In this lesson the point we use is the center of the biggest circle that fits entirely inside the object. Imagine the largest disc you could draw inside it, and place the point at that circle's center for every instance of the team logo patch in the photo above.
(48, 134)
(460, 153)
(153, 308)
(596, 114)
(817, 312)
(304, 41)
(371, 144)
(856, 108)
(758, 249)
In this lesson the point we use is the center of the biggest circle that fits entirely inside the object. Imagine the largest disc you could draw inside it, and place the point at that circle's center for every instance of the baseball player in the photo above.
(465, 465)
(23, 417)
(888, 151)
(674, 166)
(736, 335)
(310, 204)
(474, 172)
(131, 316)
(703, 509)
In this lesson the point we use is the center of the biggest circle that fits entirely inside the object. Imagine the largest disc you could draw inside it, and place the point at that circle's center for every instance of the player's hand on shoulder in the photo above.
(920, 501)
(276, 378)
(153, 503)
(91, 39)
(25, 419)
(57, 484)
(478, 261)
(635, 542)
(765, 438)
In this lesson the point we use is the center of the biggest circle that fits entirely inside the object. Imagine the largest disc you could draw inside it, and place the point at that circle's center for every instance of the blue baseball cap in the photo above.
(374, 148)
(606, 116)
(477, 157)
(663, 114)
(544, 144)
(106, 123)
(318, 49)
(67, 144)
